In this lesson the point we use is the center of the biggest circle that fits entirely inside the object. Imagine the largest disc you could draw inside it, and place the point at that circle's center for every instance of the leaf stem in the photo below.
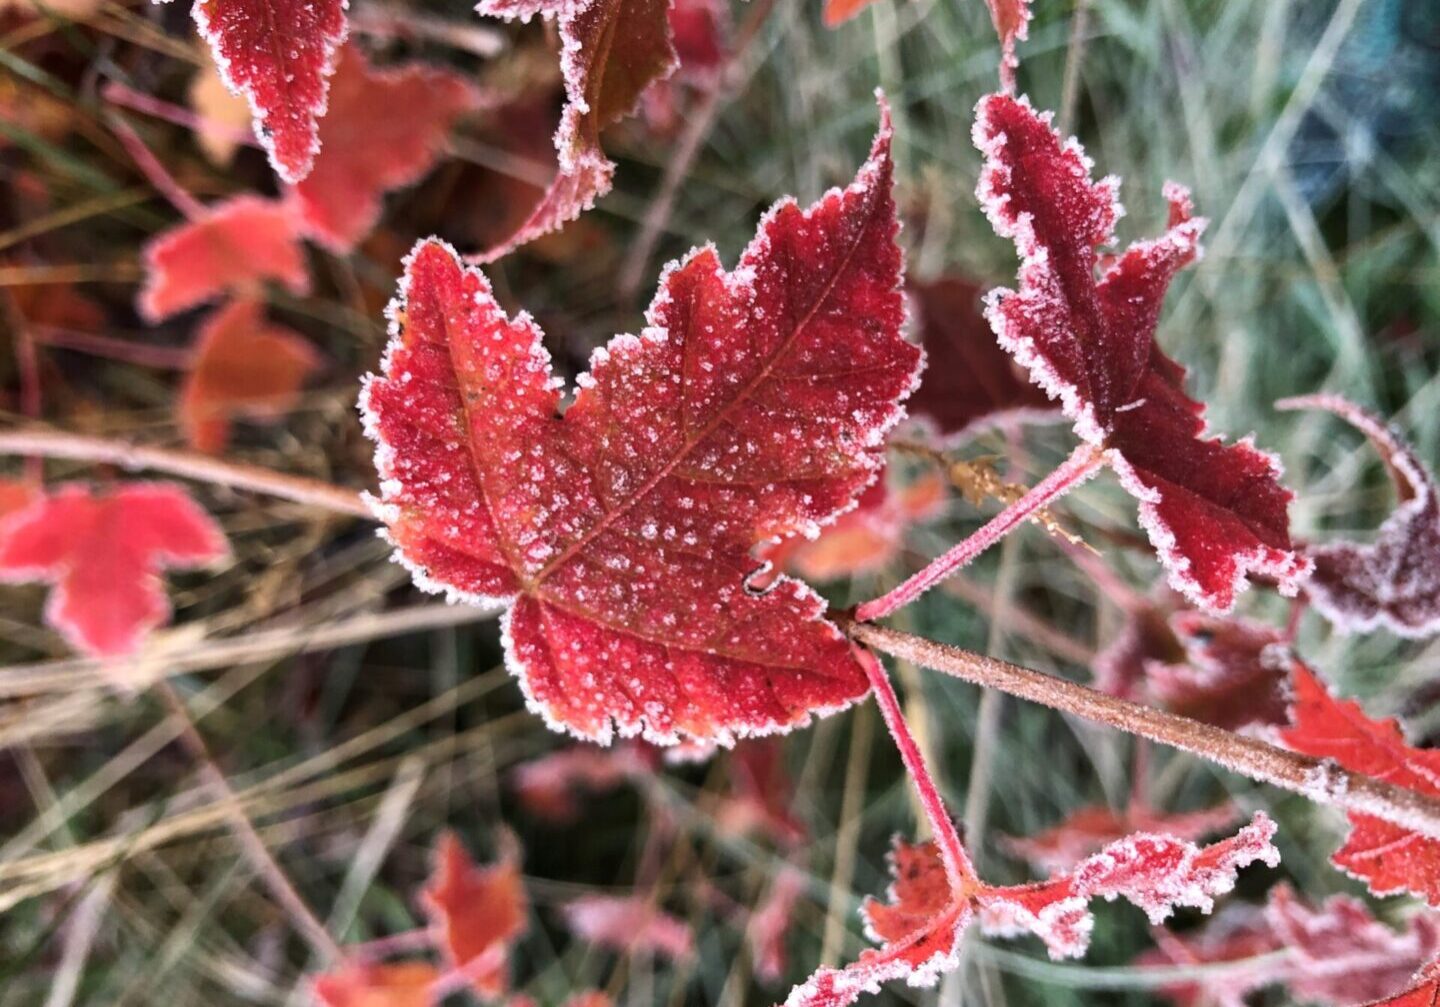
(1320, 780)
(187, 465)
(957, 862)
(165, 184)
(1081, 465)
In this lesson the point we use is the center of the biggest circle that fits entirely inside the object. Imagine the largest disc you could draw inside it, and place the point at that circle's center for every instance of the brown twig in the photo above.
(187, 465)
(1320, 780)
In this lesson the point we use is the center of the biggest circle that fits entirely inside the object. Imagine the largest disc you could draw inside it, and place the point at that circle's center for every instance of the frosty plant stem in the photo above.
(186, 464)
(1320, 780)
(952, 851)
(1081, 465)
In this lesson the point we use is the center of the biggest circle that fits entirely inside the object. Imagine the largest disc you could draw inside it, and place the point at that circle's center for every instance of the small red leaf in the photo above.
(969, 379)
(1214, 512)
(1233, 675)
(1091, 828)
(360, 984)
(924, 919)
(1387, 857)
(1334, 954)
(384, 130)
(550, 786)
(476, 912)
(629, 925)
(761, 794)
(1012, 23)
(243, 366)
(278, 54)
(1394, 581)
(611, 52)
(620, 531)
(238, 244)
(771, 923)
(104, 552)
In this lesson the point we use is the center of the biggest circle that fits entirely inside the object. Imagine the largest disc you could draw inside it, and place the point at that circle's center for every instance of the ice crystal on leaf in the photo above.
(1394, 581)
(1214, 512)
(279, 54)
(753, 406)
(237, 245)
(384, 130)
(922, 922)
(1387, 857)
(477, 913)
(103, 552)
(611, 52)
(243, 366)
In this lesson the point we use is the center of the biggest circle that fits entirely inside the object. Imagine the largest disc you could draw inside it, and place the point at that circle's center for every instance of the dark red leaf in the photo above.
(1214, 512)
(477, 913)
(278, 54)
(243, 367)
(104, 552)
(969, 379)
(362, 984)
(752, 407)
(1233, 674)
(1387, 857)
(921, 925)
(631, 925)
(384, 130)
(611, 52)
(240, 243)
(1394, 581)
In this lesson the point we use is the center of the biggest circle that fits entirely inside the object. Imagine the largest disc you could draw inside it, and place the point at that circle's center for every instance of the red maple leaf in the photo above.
(752, 407)
(242, 366)
(630, 924)
(1394, 581)
(611, 52)
(1333, 955)
(278, 54)
(1091, 828)
(1387, 857)
(969, 379)
(1214, 512)
(363, 984)
(384, 130)
(925, 917)
(477, 913)
(237, 244)
(104, 553)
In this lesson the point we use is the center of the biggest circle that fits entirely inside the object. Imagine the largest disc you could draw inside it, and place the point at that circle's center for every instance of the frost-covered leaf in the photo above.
(365, 984)
(1214, 512)
(243, 366)
(279, 54)
(1333, 955)
(384, 130)
(969, 379)
(477, 913)
(1393, 581)
(103, 552)
(922, 922)
(1091, 828)
(1387, 857)
(620, 529)
(1425, 991)
(630, 925)
(1012, 24)
(238, 244)
(611, 52)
